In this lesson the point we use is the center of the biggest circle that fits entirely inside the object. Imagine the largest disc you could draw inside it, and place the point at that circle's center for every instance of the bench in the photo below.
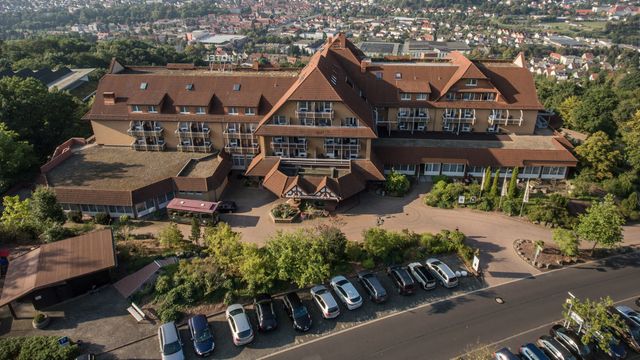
(136, 312)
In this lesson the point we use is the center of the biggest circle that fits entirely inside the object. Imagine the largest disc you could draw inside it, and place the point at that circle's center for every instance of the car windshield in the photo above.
(332, 309)
(341, 282)
(171, 348)
(203, 335)
(356, 299)
(321, 291)
(235, 312)
(244, 334)
(299, 312)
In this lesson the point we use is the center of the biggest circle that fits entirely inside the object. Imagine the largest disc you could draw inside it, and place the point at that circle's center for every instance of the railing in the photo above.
(504, 118)
(291, 145)
(142, 132)
(315, 162)
(342, 147)
(239, 149)
(193, 133)
(315, 114)
(148, 147)
(413, 118)
(459, 119)
(195, 148)
(237, 135)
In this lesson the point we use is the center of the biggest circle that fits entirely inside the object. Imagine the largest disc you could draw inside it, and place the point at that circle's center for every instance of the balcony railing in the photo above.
(315, 162)
(315, 114)
(413, 118)
(241, 149)
(195, 148)
(505, 118)
(342, 147)
(193, 133)
(145, 132)
(237, 134)
(290, 145)
(458, 119)
(148, 147)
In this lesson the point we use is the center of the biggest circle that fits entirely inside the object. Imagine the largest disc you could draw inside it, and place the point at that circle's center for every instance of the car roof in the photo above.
(232, 307)
(242, 322)
(293, 297)
(169, 332)
(198, 321)
(318, 288)
(338, 278)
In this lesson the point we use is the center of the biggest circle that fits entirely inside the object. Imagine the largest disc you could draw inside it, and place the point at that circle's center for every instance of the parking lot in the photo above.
(285, 336)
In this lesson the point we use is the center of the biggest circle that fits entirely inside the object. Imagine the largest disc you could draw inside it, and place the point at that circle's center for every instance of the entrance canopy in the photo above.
(193, 206)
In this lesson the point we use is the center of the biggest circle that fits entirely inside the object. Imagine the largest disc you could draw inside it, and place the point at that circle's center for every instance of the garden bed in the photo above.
(284, 214)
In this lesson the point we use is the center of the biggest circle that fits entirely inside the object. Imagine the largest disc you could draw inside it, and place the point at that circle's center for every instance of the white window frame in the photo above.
(233, 110)
(475, 170)
(405, 96)
(472, 82)
(452, 169)
(553, 172)
(184, 110)
(136, 108)
(421, 97)
(530, 172)
(432, 169)
(493, 129)
(279, 120)
(152, 109)
(249, 111)
(201, 110)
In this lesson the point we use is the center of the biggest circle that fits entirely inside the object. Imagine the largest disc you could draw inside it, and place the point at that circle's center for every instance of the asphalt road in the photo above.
(455, 326)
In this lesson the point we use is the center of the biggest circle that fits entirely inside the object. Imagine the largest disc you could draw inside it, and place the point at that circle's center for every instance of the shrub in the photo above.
(36, 348)
(354, 251)
(622, 185)
(368, 263)
(510, 206)
(397, 184)
(629, 207)
(163, 284)
(171, 313)
(170, 236)
(45, 206)
(75, 216)
(552, 210)
(567, 241)
(54, 232)
(512, 190)
(284, 211)
(445, 195)
(437, 178)
(486, 203)
(102, 218)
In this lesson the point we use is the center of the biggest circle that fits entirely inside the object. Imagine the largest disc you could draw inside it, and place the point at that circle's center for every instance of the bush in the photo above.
(552, 211)
(54, 232)
(75, 216)
(102, 218)
(36, 348)
(164, 284)
(437, 178)
(622, 185)
(486, 203)
(171, 313)
(354, 251)
(445, 195)
(629, 207)
(284, 211)
(368, 263)
(567, 241)
(397, 184)
(511, 206)
(170, 236)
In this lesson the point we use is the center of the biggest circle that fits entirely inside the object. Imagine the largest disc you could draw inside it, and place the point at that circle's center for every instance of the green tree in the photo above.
(567, 111)
(45, 206)
(597, 319)
(567, 241)
(258, 270)
(195, 230)
(631, 140)
(16, 158)
(298, 257)
(333, 242)
(397, 183)
(171, 236)
(487, 179)
(16, 212)
(225, 246)
(495, 183)
(594, 112)
(602, 224)
(598, 152)
(512, 191)
(382, 244)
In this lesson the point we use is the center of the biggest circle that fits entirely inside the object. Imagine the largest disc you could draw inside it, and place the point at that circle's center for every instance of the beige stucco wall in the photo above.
(341, 111)
(111, 132)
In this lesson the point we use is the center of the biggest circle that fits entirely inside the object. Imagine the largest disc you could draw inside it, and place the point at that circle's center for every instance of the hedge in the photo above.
(36, 348)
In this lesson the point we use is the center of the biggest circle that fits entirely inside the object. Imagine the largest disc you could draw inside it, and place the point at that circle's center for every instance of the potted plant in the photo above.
(40, 321)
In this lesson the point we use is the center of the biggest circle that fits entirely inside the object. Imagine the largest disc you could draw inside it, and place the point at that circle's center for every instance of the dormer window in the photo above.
(249, 111)
(189, 87)
(398, 76)
(405, 96)
(378, 75)
(152, 109)
(472, 82)
(236, 87)
(233, 111)
(136, 109)
(201, 110)
(144, 86)
(184, 110)
(421, 97)
(451, 96)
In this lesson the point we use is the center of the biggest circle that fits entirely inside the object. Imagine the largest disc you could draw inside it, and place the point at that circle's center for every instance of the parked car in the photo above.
(227, 206)
(505, 354)
(373, 286)
(297, 312)
(531, 352)
(616, 350)
(201, 335)
(554, 348)
(628, 313)
(629, 333)
(572, 342)
(325, 301)
(263, 305)
(443, 273)
(239, 324)
(422, 275)
(346, 292)
(170, 342)
(402, 280)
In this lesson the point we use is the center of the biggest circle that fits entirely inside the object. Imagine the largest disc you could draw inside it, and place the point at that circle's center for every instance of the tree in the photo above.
(598, 152)
(597, 320)
(397, 183)
(567, 111)
(333, 242)
(602, 224)
(382, 244)
(487, 179)
(45, 206)
(258, 269)
(170, 236)
(225, 246)
(512, 191)
(567, 241)
(16, 158)
(494, 184)
(195, 230)
(631, 139)
(594, 112)
(16, 212)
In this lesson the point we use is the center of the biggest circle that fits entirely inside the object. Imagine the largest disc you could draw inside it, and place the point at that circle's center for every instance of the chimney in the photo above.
(109, 97)
(364, 64)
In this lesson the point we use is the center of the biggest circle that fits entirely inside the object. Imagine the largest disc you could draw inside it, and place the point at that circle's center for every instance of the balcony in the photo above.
(190, 133)
(331, 147)
(315, 162)
(141, 146)
(242, 149)
(302, 145)
(458, 118)
(140, 131)
(206, 147)
(302, 114)
(235, 134)
(505, 118)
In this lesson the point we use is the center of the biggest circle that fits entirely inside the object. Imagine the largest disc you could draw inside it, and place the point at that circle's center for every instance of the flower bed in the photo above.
(284, 214)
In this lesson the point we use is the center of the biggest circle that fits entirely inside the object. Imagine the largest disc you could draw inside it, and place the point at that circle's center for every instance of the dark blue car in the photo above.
(532, 352)
(201, 335)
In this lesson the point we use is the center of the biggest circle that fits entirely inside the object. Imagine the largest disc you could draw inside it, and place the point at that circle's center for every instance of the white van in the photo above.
(442, 272)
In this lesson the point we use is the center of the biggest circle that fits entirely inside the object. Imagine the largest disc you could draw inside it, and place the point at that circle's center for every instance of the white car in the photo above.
(325, 301)
(346, 292)
(170, 342)
(443, 273)
(422, 276)
(239, 324)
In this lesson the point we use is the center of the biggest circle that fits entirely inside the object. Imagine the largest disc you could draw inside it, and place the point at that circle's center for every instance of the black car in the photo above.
(402, 280)
(616, 349)
(296, 310)
(554, 349)
(505, 354)
(373, 286)
(630, 333)
(263, 305)
(227, 206)
(201, 335)
(572, 342)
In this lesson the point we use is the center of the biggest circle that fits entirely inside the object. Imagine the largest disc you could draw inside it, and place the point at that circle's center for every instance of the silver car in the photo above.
(239, 324)
(346, 292)
(325, 301)
(629, 313)
(442, 272)
(170, 342)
